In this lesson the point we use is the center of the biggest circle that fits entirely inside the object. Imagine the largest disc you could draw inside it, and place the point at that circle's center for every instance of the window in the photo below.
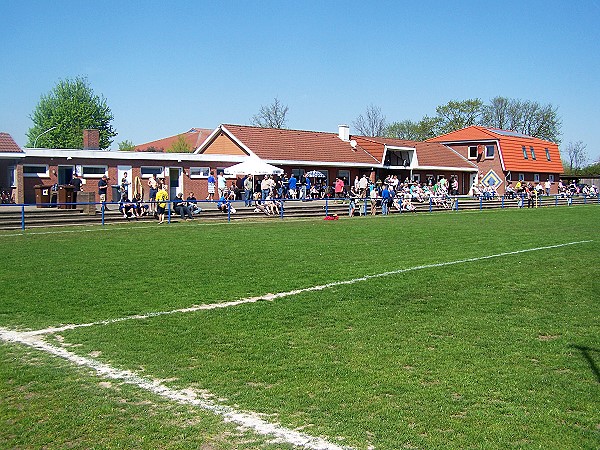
(536, 177)
(524, 152)
(522, 175)
(489, 151)
(148, 171)
(532, 153)
(35, 170)
(298, 173)
(199, 172)
(93, 171)
(417, 177)
(551, 178)
(12, 176)
(547, 154)
(344, 175)
(473, 152)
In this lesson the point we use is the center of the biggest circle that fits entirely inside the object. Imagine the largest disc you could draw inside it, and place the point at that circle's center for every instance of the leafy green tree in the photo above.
(179, 146)
(422, 130)
(126, 146)
(455, 114)
(70, 107)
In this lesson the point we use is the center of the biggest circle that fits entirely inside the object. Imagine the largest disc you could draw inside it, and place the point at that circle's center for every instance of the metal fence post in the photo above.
(326, 206)
(480, 203)
(556, 200)
(169, 211)
(430, 204)
(102, 207)
(502, 205)
(228, 211)
(22, 217)
(281, 210)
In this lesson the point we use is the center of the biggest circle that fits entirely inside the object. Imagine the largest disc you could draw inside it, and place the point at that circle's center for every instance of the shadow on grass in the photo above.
(588, 353)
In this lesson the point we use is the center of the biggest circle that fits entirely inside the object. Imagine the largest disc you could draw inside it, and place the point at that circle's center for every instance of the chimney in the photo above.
(91, 139)
(344, 133)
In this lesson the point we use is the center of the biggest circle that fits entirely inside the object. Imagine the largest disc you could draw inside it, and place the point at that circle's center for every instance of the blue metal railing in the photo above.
(456, 203)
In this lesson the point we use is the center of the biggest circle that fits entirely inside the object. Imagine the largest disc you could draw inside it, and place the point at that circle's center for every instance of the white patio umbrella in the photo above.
(253, 166)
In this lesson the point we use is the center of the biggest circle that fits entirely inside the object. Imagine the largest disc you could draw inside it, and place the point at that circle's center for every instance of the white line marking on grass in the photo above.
(246, 420)
(271, 297)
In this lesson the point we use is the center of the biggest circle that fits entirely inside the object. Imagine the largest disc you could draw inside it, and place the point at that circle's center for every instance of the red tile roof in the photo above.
(274, 144)
(511, 148)
(194, 138)
(430, 154)
(8, 144)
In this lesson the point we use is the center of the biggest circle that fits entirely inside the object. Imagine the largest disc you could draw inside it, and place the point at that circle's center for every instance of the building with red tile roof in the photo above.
(504, 156)
(194, 138)
(336, 155)
(340, 155)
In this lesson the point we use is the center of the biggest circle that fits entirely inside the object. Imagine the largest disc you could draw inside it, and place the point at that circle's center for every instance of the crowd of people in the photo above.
(265, 194)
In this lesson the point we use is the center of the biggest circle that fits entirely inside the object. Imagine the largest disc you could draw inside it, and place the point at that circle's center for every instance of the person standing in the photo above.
(306, 189)
(221, 184)
(248, 188)
(547, 186)
(152, 190)
(265, 187)
(338, 189)
(102, 188)
(125, 184)
(211, 187)
(363, 184)
(385, 200)
(292, 186)
(76, 183)
(161, 203)
(373, 197)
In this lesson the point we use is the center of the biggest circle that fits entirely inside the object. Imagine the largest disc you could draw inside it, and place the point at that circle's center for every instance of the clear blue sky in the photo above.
(167, 66)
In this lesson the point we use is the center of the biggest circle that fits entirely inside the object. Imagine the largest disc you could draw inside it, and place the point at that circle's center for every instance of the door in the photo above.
(65, 174)
(121, 171)
(175, 182)
(473, 180)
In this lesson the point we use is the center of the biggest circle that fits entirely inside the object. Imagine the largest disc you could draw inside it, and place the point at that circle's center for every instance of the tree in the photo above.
(372, 124)
(455, 114)
(414, 131)
(271, 116)
(523, 116)
(576, 155)
(126, 146)
(70, 107)
(179, 146)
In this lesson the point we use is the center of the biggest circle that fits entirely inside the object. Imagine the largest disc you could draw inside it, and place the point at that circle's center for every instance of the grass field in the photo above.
(454, 330)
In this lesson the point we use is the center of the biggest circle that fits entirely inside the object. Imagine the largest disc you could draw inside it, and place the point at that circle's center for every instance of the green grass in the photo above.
(496, 353)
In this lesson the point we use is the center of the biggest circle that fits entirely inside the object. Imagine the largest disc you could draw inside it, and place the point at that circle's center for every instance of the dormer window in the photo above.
(489, 151)
(524, 152)
(532, 153)
(473, 152)
(547, 154)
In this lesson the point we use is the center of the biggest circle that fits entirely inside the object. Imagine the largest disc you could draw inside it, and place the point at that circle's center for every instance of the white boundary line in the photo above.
(247, 420)
(244, 419)
(271, 297)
